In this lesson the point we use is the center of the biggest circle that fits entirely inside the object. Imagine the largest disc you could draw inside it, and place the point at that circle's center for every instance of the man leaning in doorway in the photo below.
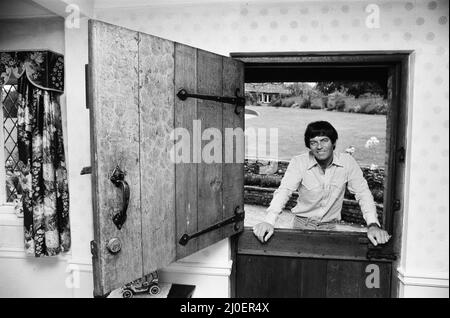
(320, 176)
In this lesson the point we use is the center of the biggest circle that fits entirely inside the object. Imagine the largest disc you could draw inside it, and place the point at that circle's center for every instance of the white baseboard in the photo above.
(83, 265)
(180, 267)
(423, 279)
(19, 253)
(11, 219)
(197, 268)
(7, 209)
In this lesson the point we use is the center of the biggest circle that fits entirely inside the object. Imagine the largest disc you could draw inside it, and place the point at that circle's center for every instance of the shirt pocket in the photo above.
(311, 190)
(338, 185)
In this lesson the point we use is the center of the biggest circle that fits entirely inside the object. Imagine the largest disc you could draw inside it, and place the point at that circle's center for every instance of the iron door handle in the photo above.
(118, 179)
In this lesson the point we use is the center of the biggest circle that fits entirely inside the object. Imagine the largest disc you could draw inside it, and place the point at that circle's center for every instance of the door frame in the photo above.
(398, 65)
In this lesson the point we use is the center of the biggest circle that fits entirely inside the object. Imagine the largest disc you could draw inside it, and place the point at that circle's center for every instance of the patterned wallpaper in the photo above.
(422, 26)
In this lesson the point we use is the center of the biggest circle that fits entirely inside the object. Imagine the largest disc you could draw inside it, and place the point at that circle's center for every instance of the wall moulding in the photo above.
(423, 279)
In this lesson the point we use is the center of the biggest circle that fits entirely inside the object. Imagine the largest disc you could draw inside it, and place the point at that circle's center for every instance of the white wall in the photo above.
(421, 26)
(22, 9)
(250, 26)
(48, 275)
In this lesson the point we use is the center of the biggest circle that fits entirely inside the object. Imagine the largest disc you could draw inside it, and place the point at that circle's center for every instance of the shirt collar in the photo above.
(336, 160)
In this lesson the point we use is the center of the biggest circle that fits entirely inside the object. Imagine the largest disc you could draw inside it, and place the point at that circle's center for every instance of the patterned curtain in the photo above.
(42, 169)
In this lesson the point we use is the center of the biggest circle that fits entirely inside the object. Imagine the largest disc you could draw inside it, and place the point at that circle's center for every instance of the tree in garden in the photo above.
(352, 88)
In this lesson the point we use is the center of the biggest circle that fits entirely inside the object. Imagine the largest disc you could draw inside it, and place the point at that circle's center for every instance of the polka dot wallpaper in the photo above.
(421, 26)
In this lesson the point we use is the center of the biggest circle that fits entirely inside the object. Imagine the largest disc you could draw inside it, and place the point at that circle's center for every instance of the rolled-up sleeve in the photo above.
(357, 185)
(289, 184)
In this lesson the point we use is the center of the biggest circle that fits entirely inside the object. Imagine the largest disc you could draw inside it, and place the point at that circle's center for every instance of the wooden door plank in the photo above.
(281, 274)
(210, 183)
(113, 60)
(368, 283)
(313, 278)
(267, 276)
(249, 279)
(343, 279)
(233, 145)
(307, 244)
(186, 172)
(156, 100)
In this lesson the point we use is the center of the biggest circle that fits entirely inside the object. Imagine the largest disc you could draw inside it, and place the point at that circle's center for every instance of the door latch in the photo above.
(94, 249)
(397, 205)
(117, 178)
(86, 170)
(239, 215)
(114, 245)
(374, 253)
(237, 100)
(401, 154)
(383, 251)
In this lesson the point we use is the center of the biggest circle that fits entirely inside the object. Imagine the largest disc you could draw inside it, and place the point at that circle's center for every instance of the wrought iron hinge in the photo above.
(86, 170)
(381, 252)
(397, 205)
(239, 215)
(94, 249)
(376, 254)
(401, 152)
(138, 38)
(237, 100)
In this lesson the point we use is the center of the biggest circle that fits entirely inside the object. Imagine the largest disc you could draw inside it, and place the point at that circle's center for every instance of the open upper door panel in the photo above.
(140, 215)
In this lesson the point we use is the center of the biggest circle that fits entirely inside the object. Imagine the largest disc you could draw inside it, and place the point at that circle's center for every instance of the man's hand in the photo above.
(377, 235)
(263, 231)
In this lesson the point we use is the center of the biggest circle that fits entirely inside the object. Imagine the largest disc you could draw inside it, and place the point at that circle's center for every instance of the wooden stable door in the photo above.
(294, 277)
(144, 200)
(305, 263)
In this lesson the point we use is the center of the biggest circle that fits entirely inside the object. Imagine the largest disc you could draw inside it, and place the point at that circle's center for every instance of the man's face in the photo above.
(321, 147)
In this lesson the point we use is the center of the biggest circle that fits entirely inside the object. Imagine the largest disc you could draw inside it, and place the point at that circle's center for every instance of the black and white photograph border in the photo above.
(101, 196)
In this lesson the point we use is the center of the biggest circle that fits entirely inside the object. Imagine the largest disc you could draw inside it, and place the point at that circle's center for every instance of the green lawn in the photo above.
(353, 129)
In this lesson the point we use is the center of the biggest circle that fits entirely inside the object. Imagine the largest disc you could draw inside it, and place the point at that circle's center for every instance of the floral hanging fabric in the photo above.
(44, 69)
(41, 168)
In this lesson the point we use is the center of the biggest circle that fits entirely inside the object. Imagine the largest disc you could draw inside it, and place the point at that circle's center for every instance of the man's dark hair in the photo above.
(320, 128)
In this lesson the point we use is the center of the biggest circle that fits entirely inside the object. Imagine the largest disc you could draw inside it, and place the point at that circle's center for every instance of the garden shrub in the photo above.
(324, 101)
(334, 101)
(368, 108)
(355, 109)
(381, 108)
(316, 103)
(250, 99)
(316, 106)
(340, 105)
(275, 102)
(306, 103)
(287, 103)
